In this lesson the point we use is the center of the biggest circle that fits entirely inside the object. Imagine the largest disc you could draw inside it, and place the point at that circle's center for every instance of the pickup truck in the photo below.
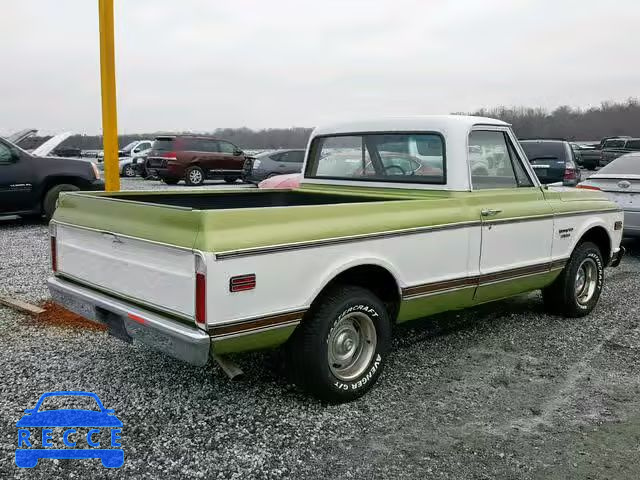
(31, 182)
(370, 239)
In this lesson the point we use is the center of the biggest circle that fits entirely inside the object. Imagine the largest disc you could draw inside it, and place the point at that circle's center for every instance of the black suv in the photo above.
(30, 185)
(553, 161)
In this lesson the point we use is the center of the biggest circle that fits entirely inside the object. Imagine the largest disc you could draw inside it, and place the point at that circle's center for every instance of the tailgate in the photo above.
(154, 274)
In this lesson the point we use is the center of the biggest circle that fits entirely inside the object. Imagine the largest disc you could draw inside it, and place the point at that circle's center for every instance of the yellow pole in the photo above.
(109, 113)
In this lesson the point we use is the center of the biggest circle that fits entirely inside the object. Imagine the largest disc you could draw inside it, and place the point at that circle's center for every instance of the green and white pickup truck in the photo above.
(394, 220)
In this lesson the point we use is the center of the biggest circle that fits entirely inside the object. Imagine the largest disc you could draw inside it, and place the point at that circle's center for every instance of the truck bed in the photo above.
(250, 199)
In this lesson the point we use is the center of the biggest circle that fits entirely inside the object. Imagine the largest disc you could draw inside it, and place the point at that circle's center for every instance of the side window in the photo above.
(633, 145)
(521, 174)
(296, 157)
(493, 162)
(6, 156)
(226, 147)
(292, 157)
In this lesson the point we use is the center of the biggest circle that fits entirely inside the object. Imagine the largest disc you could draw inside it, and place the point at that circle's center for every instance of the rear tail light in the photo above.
(170, 155)
(570, 174)
(54, 247)
(587, 187)
(201, 292)
(96, 172)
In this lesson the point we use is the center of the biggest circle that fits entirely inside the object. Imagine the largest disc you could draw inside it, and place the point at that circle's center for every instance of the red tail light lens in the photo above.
(201, 292)
(587, 187)
(170, 155)
(54, 255)
(54, 247)
(570, 174)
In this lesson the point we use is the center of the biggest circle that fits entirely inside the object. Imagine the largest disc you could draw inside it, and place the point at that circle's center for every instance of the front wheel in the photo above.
(339, 350)
(129, 171)
(577, 290)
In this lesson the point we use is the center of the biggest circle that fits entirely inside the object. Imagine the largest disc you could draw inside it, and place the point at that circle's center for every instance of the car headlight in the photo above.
(256, 163)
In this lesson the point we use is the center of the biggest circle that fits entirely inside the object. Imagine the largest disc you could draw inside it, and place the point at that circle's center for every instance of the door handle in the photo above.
(489, 212)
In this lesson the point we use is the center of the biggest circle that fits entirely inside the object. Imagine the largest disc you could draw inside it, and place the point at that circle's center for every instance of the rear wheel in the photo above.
(339, 350)
(51, 198)
(231, 179)
(194, 176)
(577, 290)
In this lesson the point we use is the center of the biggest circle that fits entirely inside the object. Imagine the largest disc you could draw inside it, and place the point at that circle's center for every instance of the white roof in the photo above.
(455, 130)
(437, 123)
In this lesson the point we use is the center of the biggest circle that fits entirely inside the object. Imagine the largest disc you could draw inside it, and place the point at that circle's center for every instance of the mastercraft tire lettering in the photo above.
(338, 351)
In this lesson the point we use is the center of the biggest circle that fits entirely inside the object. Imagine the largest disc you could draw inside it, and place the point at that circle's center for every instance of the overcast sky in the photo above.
(202, 64)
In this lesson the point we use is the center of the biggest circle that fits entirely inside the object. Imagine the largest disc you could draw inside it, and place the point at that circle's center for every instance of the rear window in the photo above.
(628, 164)
(163, 144)
(537, 151)
(614, 144)
(391, 157)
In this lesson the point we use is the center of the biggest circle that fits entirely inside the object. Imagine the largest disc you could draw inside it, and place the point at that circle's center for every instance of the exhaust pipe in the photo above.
(229, 367)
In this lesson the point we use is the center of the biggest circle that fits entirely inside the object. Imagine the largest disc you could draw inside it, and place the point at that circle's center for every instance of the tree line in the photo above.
(608, 119)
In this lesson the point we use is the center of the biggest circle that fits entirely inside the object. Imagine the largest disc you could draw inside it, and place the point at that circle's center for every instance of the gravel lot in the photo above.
(502, 391)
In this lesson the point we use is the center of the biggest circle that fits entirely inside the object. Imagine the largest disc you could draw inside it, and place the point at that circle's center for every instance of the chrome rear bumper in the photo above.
(127, 321)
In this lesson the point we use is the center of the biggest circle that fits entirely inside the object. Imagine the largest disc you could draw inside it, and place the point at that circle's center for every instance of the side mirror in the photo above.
(237, 152)
(15, 156)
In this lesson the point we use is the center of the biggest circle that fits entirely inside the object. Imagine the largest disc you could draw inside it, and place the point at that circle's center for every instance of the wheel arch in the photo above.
(370, 273)
(50, 182)
(598, 234)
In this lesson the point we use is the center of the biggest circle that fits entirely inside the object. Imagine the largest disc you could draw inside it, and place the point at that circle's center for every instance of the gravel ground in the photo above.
(503, 391)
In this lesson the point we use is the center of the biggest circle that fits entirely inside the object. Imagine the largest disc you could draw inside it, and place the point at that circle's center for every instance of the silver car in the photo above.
(620, 180)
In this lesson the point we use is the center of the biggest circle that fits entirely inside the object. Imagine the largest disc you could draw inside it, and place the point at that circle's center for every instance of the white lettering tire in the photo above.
(340, 348)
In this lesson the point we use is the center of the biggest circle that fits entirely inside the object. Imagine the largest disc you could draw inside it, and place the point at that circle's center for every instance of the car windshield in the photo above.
(544, 150)
(129, 147)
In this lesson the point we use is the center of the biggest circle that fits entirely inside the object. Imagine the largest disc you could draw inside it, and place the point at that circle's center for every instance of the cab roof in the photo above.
(438, 123)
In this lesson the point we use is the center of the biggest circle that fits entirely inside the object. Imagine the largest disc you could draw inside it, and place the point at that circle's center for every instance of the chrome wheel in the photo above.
(586, 281)
(129, 171)
(352, 345)
(195, 176)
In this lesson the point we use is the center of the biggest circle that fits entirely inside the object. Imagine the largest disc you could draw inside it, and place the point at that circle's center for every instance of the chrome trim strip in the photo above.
(588, 212)
(437, 292)
(502, 221)
(340, 240)
(162, 244)
(476, 281)
(218, 338)
(247, 252)
(255, 323)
